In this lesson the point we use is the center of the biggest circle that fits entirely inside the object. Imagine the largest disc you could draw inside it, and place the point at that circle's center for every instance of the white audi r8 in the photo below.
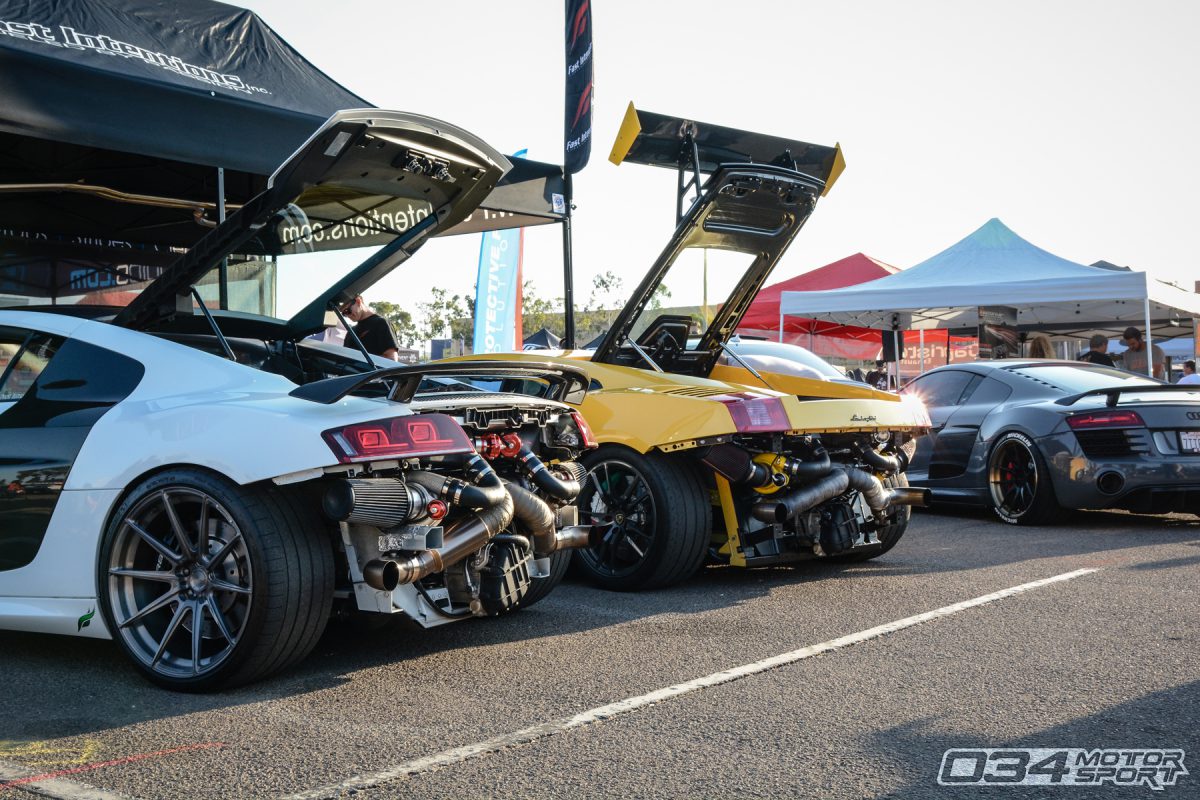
(204, 486)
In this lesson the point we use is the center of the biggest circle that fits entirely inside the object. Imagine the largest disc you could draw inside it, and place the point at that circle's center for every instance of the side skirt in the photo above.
(67, 616)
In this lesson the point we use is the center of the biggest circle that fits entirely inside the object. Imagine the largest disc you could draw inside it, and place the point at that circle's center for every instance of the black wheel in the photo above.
(890, 533)
(657, 514)
(207, 584)
(1019, 488)
(541, 587)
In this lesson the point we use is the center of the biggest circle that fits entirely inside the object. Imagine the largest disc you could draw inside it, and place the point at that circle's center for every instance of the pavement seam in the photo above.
(563, 724)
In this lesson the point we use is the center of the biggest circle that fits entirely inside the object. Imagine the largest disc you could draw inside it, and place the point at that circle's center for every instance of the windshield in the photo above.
(1073, 379)
(784, 359)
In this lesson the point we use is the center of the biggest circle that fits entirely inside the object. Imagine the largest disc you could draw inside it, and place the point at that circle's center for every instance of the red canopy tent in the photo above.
(823, 338)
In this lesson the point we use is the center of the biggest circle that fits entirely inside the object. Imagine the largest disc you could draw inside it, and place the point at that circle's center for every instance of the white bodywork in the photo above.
(190, 409)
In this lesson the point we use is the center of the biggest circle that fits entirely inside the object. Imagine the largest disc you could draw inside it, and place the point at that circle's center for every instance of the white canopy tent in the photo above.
(996, 267)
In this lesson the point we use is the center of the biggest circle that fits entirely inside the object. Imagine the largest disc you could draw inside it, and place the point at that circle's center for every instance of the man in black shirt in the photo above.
(372, 330)
(1099, 352)
(879, 377)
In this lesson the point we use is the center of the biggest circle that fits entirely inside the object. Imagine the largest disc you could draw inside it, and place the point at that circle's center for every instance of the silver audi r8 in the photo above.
(1029, 438)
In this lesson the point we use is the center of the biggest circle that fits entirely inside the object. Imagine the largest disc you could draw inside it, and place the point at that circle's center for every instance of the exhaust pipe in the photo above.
(910, 496)
(879, 498)
(838, 482)
(802, 499)
(382, 575)
(579, 536)
(534, 513)
(463, 538)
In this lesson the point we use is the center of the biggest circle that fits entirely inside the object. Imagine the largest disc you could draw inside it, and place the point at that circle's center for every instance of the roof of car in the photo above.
(1011, 363)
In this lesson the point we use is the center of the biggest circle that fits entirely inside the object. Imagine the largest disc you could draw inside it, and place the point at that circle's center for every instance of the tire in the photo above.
(889, 534)
(659, 525)
(262, 593)
(1018, 482)
(541, 587)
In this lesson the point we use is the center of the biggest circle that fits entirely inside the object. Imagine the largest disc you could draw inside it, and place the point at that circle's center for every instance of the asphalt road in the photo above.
(1104, 659)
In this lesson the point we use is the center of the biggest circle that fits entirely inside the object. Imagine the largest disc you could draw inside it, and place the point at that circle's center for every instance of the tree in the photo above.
(401, 321)
(445, 312)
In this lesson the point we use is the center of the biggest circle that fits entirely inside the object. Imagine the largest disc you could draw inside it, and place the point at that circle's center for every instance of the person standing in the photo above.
(1190, 378)
(371, 329)
(1098, 352)
(879, 377)
(1134, 359)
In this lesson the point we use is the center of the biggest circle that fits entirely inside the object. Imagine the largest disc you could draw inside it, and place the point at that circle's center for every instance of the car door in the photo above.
(53, 389)
(959, 437)
(940, 392)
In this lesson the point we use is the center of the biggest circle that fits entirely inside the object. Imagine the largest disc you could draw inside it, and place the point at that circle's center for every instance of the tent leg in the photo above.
(223, 270)
(1149, 341)
(921, 334)
(899, 354)
(568, 340)
(781, 323)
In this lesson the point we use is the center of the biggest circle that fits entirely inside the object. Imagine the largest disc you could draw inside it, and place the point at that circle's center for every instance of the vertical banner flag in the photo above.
(577, 133)
(498, 290)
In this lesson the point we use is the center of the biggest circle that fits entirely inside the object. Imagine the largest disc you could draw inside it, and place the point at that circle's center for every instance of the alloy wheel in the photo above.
(180, 582)
(1013, 478)
(616, 495)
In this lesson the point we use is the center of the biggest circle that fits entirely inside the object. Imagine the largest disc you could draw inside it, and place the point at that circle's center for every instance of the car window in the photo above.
(22, 358)
(940, 388)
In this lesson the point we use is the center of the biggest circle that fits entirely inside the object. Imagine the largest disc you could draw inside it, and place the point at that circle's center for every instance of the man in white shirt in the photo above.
(1189, 373)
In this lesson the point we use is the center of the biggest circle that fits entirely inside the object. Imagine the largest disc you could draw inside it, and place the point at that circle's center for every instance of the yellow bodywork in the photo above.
(646, 410)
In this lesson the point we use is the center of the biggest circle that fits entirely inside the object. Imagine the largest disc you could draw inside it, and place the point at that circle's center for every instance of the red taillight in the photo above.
(758, 414)
(399, 437)
(589, 439)
(1105, 419)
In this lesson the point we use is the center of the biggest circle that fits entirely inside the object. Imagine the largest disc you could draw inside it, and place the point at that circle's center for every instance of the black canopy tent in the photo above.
(127, 128)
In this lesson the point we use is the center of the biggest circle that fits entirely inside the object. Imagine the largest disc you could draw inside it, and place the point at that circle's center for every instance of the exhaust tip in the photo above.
(1110, 482)
(382, 575)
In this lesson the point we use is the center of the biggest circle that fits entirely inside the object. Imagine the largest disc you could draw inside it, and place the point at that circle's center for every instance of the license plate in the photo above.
(1189, 441)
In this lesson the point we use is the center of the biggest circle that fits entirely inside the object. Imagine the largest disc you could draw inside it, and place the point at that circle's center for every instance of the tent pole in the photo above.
(568, 340)
(921, 334)
(223, 270)
(899, 354)
(1149, 340)
(781, 323)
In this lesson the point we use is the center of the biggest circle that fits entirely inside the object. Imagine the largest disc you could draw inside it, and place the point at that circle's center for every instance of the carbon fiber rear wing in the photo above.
(699, 147)
(1113, 394)
(567, 384)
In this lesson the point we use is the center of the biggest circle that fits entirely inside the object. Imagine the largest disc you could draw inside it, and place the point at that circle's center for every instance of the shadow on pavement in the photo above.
(1163, 719)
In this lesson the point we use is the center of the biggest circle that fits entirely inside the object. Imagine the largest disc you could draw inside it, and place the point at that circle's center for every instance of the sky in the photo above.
(1076, 123)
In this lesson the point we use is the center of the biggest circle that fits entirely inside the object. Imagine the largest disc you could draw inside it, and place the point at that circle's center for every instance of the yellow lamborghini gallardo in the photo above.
(700, 459)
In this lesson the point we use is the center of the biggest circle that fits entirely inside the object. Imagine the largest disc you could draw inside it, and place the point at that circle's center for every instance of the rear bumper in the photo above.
(1148, 483)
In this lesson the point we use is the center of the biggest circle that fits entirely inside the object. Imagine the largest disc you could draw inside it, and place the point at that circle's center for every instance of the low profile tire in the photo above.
(1019, 487)
(543, 586)
(206, 584)
(889, 534)
(657, 515)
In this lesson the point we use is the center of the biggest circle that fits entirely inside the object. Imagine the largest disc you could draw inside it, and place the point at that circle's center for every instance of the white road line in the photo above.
(58, 788)
(553, 727)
